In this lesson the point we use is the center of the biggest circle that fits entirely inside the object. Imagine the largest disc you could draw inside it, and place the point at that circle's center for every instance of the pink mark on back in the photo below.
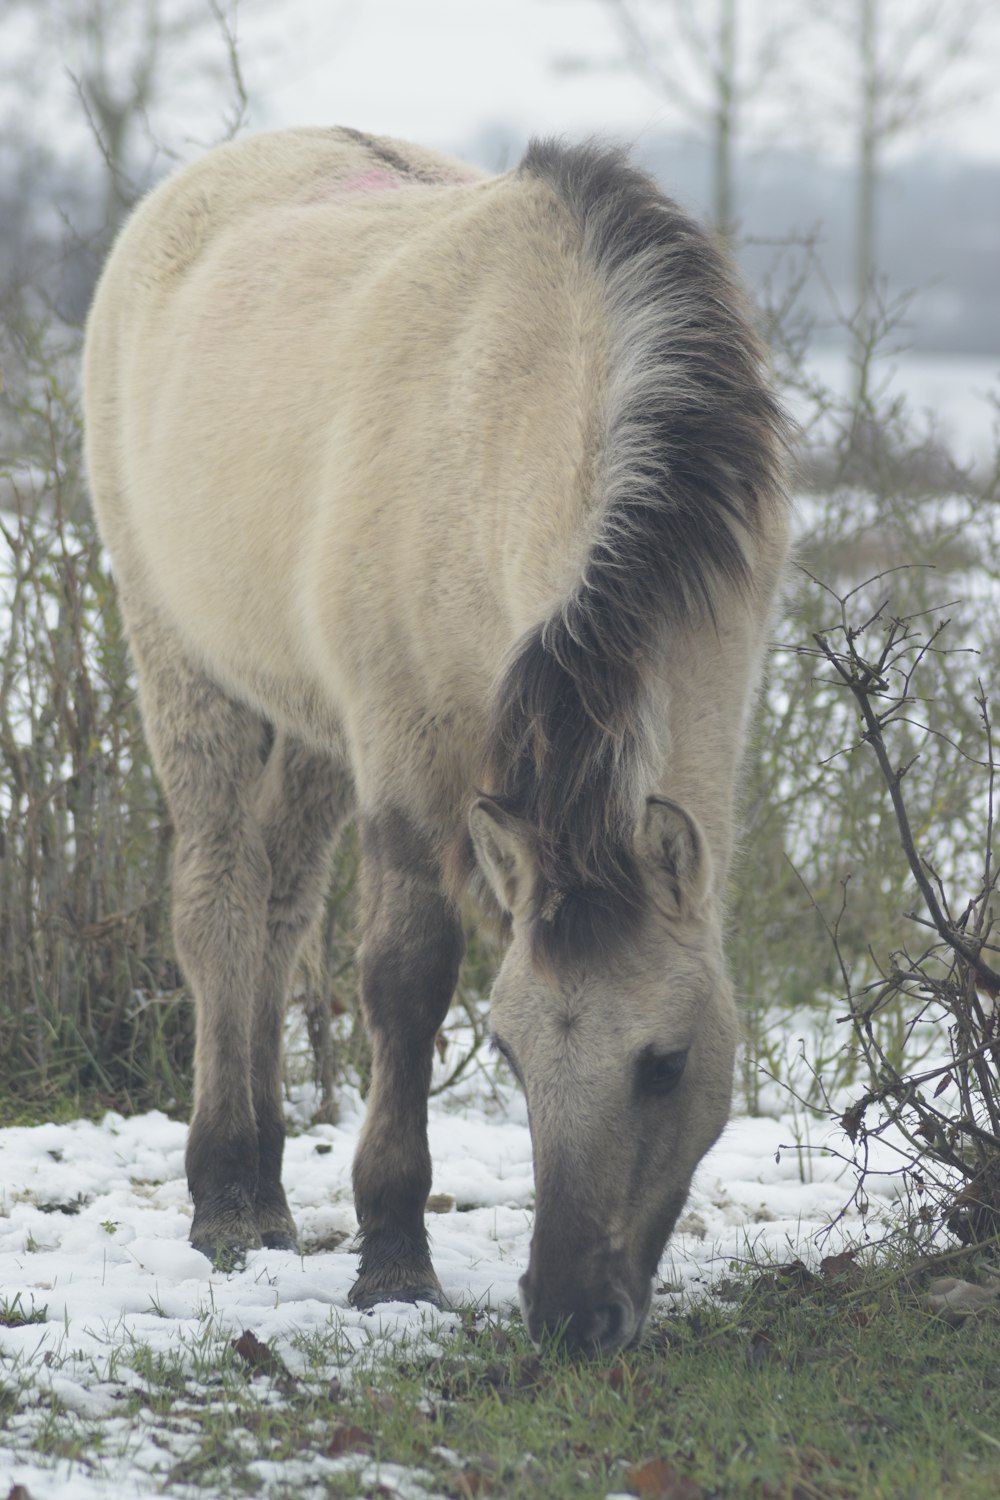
(377, 180)
(370, 182)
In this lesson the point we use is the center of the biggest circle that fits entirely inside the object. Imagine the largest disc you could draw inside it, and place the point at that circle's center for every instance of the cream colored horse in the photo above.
(452, 503)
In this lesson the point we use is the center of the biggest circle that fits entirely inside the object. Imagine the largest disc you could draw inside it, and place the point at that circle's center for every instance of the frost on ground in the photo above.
(101, 1296)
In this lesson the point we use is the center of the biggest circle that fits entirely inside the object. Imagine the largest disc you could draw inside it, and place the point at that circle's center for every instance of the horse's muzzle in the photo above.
(597, 1325)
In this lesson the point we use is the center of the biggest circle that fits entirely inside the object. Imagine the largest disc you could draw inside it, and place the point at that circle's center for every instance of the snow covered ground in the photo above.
(952, 396)
(93, 1230)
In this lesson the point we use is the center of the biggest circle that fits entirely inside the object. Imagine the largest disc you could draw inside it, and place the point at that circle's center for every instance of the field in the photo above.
(782, 1359)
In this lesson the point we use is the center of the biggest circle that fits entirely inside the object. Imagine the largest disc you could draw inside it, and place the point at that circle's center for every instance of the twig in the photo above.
(860, 678)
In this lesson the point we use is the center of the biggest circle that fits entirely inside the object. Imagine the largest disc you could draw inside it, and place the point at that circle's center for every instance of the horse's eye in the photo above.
(658, 1073)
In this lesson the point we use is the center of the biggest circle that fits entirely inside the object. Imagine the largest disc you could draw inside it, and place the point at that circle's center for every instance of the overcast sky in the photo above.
(445, 71)
(440, 70)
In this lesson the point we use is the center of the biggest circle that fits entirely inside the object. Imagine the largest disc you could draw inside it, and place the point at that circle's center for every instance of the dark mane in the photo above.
(692, 452)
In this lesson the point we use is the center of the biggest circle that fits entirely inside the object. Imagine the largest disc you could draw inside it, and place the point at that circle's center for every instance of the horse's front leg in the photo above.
(409, 967)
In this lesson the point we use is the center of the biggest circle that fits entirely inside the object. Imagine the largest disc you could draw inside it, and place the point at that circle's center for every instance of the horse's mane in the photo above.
(691, 453)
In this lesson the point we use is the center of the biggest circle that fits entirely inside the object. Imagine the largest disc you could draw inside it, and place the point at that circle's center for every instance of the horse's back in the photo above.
(328, 382)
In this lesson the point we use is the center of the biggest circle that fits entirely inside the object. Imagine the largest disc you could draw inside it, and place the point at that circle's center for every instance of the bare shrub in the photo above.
(877, 495)
(941, 1117)
(90, 999)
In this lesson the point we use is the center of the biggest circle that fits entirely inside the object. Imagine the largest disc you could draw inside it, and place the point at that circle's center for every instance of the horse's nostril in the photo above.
(601, 1329)
(584, 1328)
(611, 1325)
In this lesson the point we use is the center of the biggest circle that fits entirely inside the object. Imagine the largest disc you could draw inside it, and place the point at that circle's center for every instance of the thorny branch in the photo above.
(948, 1115)
(864, 682)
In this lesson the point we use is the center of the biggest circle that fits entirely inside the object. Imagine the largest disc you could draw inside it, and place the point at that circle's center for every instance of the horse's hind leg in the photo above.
(208, 751)
(409, 967)
(304, 799)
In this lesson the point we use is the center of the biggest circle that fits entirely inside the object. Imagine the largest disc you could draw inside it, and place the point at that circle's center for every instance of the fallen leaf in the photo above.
(253, 1351)
(261, 1359)
(348, 1439)
(473, 1482)
(795, 1275)
(658, 1480)
(839, 1265)
(616, 1379)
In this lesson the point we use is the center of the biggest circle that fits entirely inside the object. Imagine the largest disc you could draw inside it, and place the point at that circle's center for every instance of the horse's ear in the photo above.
(670, 840)
(504, 849)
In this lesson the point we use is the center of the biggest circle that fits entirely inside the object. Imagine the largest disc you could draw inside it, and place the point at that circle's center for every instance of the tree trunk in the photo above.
(865, 228)
(725, 122)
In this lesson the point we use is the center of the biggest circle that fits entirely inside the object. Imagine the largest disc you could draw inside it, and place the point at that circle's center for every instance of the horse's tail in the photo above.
(692, 449)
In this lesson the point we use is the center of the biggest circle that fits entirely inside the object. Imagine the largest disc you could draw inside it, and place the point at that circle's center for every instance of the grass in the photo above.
(783, 1385)
(13, 1313)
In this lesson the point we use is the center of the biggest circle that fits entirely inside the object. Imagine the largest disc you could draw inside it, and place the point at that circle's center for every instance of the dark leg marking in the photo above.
(409, 967)
(303, 801)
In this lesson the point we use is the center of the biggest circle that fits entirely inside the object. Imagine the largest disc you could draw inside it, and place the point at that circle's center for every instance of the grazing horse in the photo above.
(451, 503)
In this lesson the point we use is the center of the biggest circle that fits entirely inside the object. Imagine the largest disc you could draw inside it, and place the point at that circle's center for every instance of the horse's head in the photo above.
(626, 1060)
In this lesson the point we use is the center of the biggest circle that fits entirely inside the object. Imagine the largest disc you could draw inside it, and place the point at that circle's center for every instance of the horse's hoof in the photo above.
(395, 1267)
(281, 1239)
(225, 1248)
(273, 1220)
(364, 1297)
(225, 1257)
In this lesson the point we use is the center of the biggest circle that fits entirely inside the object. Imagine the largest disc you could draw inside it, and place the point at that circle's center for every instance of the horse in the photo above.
(452, 504)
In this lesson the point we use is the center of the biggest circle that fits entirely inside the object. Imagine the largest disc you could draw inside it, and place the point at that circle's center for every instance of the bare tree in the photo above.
(900, 56)
(706, 65)
(708, 92)
(122, 58)
(119, 74)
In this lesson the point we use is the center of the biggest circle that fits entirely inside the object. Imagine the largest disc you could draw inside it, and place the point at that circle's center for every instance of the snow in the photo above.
(93, 1229)
(952, 396)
